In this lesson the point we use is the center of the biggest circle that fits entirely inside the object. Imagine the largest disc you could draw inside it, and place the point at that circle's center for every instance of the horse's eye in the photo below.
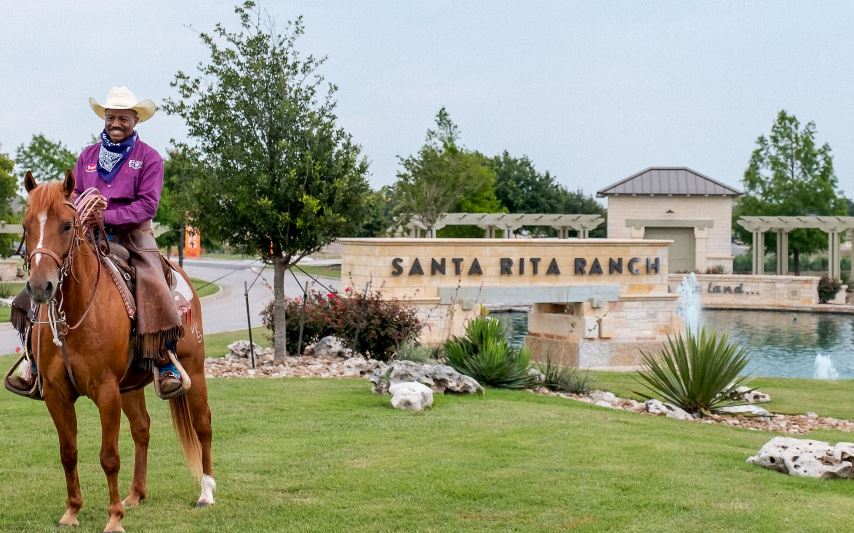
(66, 227)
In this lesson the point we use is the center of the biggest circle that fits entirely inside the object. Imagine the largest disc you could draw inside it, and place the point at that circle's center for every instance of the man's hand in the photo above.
(90, 208)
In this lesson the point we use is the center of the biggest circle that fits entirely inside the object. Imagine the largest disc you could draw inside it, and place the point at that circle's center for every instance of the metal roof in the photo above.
(672, 181)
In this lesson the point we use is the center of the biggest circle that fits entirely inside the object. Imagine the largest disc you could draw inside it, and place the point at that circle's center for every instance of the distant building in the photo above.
(678, 204)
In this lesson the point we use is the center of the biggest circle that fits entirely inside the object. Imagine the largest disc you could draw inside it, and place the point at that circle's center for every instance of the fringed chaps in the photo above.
(157, 321)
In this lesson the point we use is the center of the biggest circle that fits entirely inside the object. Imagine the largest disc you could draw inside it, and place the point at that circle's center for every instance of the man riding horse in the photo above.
(129, 175)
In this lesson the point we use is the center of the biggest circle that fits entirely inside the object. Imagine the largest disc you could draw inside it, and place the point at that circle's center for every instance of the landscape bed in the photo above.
(315, 454)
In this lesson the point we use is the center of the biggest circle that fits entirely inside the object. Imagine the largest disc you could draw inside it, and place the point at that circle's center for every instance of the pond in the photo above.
(780, 344)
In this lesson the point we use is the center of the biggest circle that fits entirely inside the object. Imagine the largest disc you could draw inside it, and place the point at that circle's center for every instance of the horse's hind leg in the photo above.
(109, 404)
(65, 419)
(197, 398)
(133, 405)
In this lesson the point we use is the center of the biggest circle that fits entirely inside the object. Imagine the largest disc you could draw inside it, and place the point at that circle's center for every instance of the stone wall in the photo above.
(736, 291)
(595, 301)
(712, 244)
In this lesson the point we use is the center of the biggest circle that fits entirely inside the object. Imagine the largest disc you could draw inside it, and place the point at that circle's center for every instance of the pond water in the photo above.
(780, 344)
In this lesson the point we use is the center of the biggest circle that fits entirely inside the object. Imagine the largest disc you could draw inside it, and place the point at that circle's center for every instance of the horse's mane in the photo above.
(47, 196)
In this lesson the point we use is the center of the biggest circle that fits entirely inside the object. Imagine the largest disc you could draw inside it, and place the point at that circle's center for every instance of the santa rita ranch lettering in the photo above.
(534, 266)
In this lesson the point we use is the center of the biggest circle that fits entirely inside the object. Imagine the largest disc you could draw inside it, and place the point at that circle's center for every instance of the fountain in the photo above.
(689, 305)
(824, 368)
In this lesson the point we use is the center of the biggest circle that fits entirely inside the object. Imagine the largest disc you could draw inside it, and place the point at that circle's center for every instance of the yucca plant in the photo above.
(696, 372)
(564, 378)
(484, 354)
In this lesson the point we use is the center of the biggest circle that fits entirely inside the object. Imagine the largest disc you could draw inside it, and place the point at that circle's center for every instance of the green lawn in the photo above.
(330, 271)
(203, 288)
(327, 455)
(216, 344)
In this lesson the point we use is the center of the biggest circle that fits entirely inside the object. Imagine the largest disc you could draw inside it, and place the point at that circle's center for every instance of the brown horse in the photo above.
(88, 316)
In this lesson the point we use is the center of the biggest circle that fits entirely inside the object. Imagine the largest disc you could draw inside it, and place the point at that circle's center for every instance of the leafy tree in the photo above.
(444, 177)
(789, 175)
(379, 217)
(280, 179)
(8, 192)
(47, 159)
(523, 189)
(175, 199)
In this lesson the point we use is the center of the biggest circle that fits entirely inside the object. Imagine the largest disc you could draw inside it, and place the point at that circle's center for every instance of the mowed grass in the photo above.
(326, 271)
(327, 455)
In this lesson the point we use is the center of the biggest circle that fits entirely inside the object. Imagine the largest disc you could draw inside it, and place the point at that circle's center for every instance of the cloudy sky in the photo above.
(590, 91)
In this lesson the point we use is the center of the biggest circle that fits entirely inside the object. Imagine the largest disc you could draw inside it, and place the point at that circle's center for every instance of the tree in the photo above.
(8, 192)
(444, 177)
(280, 180)
(789, 175)
(47, 159)
(523, 189)
(175, 199)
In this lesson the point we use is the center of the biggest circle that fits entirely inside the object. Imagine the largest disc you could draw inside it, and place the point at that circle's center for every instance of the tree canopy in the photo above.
(280, 180)
(444, 177)
(47, 159)
(788, 175)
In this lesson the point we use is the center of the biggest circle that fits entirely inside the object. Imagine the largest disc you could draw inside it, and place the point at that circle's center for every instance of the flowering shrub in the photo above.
(364, 322)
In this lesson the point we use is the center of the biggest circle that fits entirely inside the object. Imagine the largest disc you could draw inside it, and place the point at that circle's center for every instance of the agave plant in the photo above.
(697, 372)
(564, 378)
(484, 354)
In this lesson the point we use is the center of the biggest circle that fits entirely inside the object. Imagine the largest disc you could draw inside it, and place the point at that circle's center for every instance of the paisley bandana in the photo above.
(111, 155)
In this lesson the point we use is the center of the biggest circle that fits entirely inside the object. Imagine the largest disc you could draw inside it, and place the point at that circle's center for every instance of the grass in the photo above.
(327, 455)
(203, 287)
(328, 271)
(216, 344)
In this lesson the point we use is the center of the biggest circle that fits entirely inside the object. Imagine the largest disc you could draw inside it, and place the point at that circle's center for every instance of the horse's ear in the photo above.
(30, 182)
(69, 183)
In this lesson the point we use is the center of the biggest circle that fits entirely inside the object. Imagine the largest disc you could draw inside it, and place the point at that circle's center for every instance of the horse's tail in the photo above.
(182, 421)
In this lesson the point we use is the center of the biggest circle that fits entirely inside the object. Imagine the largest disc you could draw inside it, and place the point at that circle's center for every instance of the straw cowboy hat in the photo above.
(122, 98)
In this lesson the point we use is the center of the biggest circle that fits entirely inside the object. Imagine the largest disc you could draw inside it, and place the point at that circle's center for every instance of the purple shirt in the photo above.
(134, 194)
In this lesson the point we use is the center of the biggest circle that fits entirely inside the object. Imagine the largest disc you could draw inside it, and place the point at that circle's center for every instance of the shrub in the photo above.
(564, 378)
(364, 322)
(417, 353)
(715, 269)
(697, 372)
(484, 354)
(827, 289)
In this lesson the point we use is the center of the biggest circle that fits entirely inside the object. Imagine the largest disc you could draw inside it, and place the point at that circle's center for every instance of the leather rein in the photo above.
(56, 314)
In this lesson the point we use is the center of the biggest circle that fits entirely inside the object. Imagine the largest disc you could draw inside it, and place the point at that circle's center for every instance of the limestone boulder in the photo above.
(440, 378)
(411, 395)
(240, 350)
(746, 394)
(806, 458)
(753, 410)
(330, 346)
(657, 407)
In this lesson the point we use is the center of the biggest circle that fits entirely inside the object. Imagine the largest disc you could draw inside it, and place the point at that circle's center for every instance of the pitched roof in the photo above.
(680, 181)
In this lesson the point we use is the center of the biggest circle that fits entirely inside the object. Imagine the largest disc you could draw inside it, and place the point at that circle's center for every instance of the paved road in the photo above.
(225, 310)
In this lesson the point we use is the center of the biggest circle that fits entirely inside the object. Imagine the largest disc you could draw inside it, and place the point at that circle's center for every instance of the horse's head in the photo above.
(50, 226)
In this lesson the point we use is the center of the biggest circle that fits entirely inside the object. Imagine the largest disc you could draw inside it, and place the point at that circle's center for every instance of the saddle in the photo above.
(124, 277)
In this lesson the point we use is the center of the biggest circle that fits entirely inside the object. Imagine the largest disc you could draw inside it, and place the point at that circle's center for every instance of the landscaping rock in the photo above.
(536, 376)
(657, 407)
(240, 349)
(330, 346)
(749, 395)
(411, 395)
(602, 396)
(440, 378)
(745, 410)
(806, 458)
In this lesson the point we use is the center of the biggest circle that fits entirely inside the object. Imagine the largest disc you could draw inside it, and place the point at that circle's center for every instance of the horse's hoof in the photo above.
(130, 504)
(202, 504)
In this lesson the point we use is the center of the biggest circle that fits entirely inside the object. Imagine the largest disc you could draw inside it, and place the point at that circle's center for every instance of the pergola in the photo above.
(833, 226)
(510, 223)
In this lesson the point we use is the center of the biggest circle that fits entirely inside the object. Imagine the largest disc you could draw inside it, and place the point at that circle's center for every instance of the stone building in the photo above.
(678, 204)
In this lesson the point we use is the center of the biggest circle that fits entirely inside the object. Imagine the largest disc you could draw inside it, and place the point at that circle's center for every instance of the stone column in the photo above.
(701, 242)
(782, 252)
(758, 246)
(834, 268)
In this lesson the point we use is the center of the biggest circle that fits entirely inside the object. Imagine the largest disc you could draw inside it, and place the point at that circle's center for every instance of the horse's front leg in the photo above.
(109, 404)
(133, 404)
(65, 419)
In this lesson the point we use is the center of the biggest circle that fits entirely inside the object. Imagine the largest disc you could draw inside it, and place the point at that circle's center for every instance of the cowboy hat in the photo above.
(122, 98)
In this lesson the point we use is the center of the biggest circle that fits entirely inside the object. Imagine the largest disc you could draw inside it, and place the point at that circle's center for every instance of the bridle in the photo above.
(57, 320)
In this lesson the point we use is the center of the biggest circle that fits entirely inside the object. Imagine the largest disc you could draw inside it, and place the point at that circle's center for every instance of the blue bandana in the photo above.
(112, 155)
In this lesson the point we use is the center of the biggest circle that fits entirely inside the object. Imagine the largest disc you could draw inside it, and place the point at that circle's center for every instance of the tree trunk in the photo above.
(796, 262)
(279, 267)
(181, 244)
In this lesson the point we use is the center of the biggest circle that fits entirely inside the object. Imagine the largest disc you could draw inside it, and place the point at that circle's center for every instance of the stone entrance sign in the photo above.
(595, 302)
